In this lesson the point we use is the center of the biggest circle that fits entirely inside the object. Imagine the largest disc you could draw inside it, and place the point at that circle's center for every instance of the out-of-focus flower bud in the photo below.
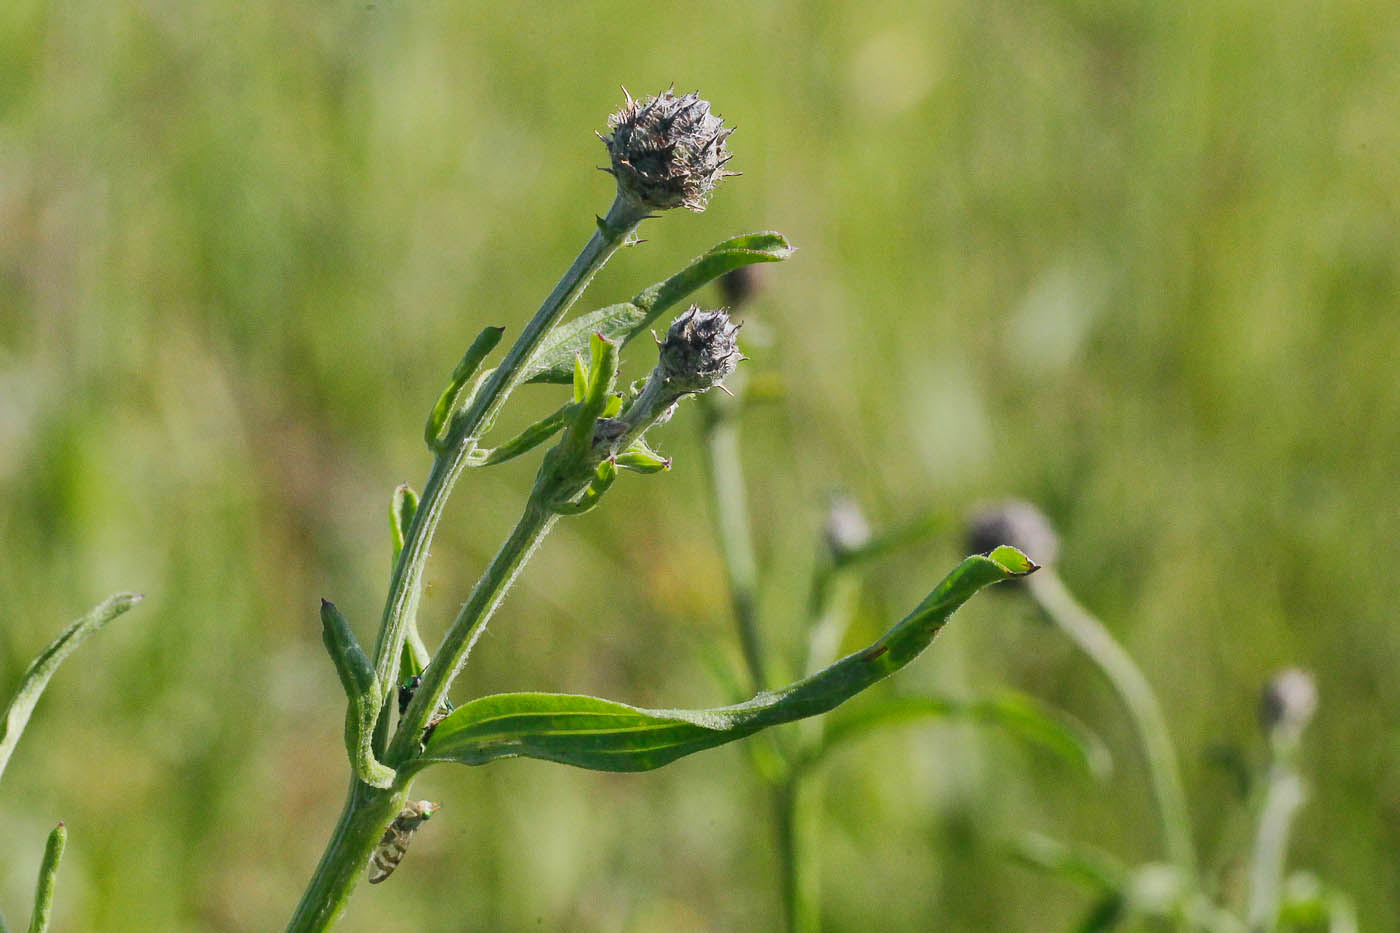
(1017, 523)
(1288, 703)
(846, 528)
(738, 286)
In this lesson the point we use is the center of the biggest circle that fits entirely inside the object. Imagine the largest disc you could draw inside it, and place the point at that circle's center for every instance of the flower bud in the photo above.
(739, 286)
(1288, 703)
(667, 151)
(1017, 523)
(846, 529)
(698, 351)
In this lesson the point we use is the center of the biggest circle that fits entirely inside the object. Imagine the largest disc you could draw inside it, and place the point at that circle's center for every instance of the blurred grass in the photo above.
(1134, 261)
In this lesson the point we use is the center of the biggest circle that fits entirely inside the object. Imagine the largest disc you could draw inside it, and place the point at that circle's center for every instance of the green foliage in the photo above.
(244, 244)
(36, 678)
(48, 875)
(363, 692)
(553, 362)
(605, 736)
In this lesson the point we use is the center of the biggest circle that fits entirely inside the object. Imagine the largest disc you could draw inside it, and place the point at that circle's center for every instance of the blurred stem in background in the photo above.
(732, 528)
(1093, 638)
(1289, 702)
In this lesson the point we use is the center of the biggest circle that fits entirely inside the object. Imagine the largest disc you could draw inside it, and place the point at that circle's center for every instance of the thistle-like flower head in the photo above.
(699, 350)
(667, 151)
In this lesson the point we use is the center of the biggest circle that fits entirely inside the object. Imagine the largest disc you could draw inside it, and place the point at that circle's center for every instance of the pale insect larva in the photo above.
(392, 847)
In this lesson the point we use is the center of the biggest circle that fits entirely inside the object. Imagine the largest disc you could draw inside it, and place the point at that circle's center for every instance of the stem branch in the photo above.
(368, 810)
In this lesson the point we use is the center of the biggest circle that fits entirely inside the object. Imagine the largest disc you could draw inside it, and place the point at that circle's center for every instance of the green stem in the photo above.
(1284, 793)
(405, 585)
(796, 811)
(367, 810)
(732, 527)
(471, 621)
(1094, 639)
(48, 874)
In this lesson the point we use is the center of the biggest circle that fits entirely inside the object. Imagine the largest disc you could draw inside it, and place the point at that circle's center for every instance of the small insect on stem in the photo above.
(397, 836)
(406, 691)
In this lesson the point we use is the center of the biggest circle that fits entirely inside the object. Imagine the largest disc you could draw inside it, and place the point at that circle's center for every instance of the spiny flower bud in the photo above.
(698, 351)
(667, 151)
(1017, 523)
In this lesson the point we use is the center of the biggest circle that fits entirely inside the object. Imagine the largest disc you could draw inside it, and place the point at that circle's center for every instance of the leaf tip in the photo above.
(1013, 561)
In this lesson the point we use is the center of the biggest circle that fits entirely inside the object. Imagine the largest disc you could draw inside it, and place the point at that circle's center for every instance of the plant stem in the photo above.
(405, 585)
(367, 810)
(471, 621)
(1094, 639)
(796, 807)
(48, 874)
(1284, 793)
(733, 530)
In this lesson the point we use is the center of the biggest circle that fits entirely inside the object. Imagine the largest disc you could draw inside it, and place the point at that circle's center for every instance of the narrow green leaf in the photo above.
(449, 401)
(593, 389)
(361, 689)
(1022, 716)
(402, 508)
(602, 482)
(528, 439)
(640, 458)
(606, 736)
(36, 677)
(48, 875)
(623, 322)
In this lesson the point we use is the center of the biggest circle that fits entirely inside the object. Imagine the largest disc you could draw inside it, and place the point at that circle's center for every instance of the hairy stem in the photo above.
(405, 585)
(368, 811)
(471, 621)
(1094, 639)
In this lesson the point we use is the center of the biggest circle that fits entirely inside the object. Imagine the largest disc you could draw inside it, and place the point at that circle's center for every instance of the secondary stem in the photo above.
(471, 621)
(1091, 637)
(404, 587)
(368, 810)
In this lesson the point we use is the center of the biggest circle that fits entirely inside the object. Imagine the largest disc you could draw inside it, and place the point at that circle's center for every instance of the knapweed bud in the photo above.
(667, 151)
(698, 351)
(1017, 523)
(846, 529)
(1288, 703)
(738, 286)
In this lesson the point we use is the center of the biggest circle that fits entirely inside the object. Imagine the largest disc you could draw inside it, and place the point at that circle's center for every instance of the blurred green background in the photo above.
(1134, 261)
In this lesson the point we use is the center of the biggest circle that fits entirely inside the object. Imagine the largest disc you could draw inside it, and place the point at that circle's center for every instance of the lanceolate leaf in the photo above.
(36, 678)
(605, 736)
(554, 360)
